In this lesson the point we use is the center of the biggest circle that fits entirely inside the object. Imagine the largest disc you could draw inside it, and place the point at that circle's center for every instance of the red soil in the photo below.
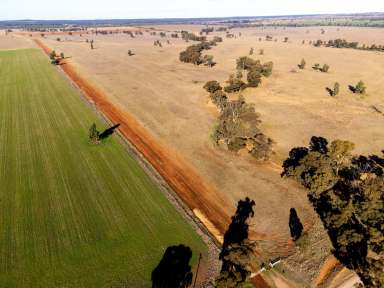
(179, 175)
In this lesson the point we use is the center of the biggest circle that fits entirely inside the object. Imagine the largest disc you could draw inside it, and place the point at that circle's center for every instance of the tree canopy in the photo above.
(347, 191)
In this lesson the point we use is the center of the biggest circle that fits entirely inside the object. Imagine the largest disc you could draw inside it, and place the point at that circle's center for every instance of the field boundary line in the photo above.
(213, 244)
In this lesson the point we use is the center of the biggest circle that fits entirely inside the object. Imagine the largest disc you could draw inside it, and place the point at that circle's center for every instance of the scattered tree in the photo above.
(316, 66)
(238, 251)
(94, 134)
(52, 55)
(302, 64)
(325, 68)
(208, 61)
(359, 88)
(333, 92)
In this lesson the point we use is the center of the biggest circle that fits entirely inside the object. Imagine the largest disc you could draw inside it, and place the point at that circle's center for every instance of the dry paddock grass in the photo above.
(167, 98)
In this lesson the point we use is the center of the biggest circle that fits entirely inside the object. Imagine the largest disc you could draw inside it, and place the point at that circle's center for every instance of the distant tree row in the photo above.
(193, 54)
(342, 43)
(206, 30)
(188, 36)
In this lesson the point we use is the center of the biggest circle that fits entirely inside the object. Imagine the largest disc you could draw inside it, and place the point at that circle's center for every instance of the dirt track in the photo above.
(180, 176)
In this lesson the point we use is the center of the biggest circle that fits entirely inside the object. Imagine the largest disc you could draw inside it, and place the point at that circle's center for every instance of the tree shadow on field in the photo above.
(108, 132)
(173, 270)
(238, 229)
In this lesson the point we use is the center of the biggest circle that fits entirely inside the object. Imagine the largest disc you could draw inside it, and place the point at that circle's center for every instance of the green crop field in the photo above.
(72, 214)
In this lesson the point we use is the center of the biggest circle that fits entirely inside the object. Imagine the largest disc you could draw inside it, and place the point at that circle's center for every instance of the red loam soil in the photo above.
(179, 175)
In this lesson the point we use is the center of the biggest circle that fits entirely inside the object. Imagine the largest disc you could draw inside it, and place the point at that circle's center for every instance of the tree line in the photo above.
(347, 192)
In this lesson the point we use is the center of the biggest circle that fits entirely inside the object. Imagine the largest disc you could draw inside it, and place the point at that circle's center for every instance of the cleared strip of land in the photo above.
(180, 176)
(72, 214)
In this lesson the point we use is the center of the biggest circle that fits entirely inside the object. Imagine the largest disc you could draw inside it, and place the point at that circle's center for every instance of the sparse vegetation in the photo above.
(335, 91)
(360, 88)
(323, 69)
(302, 64)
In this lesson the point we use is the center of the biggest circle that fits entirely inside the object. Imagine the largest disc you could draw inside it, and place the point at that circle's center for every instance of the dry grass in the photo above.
(167, 98)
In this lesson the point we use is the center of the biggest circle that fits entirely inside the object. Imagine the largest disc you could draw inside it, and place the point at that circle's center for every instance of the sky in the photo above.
(128, 9)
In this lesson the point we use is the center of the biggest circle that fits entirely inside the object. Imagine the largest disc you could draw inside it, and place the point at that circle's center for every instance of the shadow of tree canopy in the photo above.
(108, 132)
(173, 270)
(238, 229)
(347, 192)
(295, 225)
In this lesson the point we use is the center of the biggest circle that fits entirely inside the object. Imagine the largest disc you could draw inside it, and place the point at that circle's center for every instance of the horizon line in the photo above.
(197, 18)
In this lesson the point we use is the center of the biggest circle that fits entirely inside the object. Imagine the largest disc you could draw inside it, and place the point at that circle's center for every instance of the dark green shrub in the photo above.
(235, 85)
(212, 86)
